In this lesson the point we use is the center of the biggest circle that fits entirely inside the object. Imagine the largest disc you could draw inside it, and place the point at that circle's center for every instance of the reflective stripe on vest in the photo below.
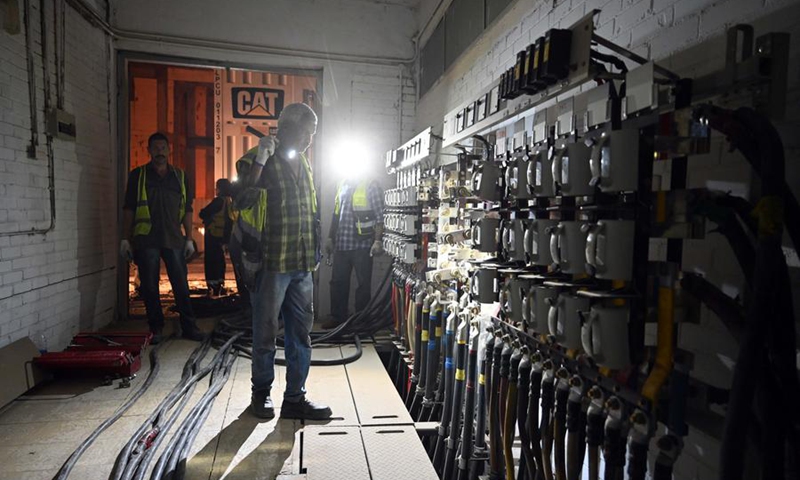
(141, 222)
(365, 216)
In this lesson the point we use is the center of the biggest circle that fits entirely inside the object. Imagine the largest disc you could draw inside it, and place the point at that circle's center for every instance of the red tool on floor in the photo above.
(90, 353)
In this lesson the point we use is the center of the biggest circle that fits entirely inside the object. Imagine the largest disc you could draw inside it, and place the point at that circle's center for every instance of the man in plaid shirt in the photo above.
(284, 285)
(355, 237)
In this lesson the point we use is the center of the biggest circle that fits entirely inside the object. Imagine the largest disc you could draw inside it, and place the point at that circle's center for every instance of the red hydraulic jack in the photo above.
(116, 354)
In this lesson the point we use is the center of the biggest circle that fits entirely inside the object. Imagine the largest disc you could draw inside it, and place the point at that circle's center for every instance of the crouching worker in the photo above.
(288, 236)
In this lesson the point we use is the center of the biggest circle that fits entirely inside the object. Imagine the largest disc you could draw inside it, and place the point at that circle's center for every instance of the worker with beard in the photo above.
(158, 202)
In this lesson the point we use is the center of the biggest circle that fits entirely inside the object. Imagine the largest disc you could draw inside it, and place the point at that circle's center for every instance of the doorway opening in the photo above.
(211, 117)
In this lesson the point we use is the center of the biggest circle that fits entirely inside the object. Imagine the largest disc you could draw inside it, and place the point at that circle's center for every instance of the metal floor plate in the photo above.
(376, 399)
(396, 453)
(329, 385)
(334, 453)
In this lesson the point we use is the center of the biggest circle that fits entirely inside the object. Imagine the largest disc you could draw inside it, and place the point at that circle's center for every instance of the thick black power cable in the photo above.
(137, 469)
(147, 432)
(69, 464)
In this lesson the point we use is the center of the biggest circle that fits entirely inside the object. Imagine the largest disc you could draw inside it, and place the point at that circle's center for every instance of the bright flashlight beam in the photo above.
(350, 158)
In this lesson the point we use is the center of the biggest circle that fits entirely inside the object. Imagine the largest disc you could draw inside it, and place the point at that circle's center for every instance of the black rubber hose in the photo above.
(510, 420)
(449, 379)
(763, 149)
(724, 307)
(189, 366)
(458, 394)
(533, 415)
(245, 349)
(523, 394)
(469, 406)
(669, 447)
(482, 397)
(560, 428)
(546, 428)
(595, 434)
(136, 470)
(439, 397)
(637, 461)
(432, 364)
(416, 402)
(69, 464)
(415, 372)
(173, 459)
(480, 453)
(761, 145)
(613, 451)
(617, 62)
(502, 389)
(495, 457)
(576, 431)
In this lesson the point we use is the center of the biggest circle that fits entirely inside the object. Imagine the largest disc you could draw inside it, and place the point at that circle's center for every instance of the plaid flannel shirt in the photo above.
(347, 238)
(291, 237)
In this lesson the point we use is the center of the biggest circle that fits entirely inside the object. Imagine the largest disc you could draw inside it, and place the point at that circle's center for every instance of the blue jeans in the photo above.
(148, 260)
(291, 296)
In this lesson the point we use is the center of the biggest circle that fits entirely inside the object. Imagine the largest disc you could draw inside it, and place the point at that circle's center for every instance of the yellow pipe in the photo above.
(664, 345)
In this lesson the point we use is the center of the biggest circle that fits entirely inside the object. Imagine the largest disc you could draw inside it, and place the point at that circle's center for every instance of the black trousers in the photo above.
(344, 262)
(214, 261)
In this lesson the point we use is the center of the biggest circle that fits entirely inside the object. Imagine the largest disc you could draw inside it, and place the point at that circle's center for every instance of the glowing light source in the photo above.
(291, 153)
(350, 158)
(202, 231)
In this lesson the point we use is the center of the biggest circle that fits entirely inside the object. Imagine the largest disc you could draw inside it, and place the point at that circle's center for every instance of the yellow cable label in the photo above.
(460, 375)
(769, 213)
(546, 55)
(438, 331)
(424, 336)
(482, 379)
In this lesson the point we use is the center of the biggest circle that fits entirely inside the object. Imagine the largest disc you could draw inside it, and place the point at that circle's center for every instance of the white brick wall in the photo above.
(64, 280)
(684, 35)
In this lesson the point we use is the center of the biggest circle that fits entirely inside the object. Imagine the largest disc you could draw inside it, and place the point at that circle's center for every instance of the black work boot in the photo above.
(261, 404)
(189, 331)
(305, 409)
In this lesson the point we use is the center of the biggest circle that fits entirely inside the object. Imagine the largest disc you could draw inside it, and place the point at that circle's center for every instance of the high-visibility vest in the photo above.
(244, 164)
(250, 210)
(365, 216)
(216, 228)
(142, 223)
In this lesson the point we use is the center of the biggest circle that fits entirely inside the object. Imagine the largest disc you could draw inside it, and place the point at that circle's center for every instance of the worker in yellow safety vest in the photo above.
(158, 202)
(353, 240)
(217, 220)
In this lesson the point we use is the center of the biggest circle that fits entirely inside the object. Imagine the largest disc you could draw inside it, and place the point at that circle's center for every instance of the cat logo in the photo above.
(256, 103)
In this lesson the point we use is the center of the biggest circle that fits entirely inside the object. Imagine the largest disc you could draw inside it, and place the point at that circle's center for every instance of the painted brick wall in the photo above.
(686, 36)
(64, 280)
